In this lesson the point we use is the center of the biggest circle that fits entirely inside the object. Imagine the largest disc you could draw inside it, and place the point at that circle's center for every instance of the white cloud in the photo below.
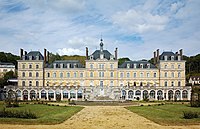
(70, 51)
(139, 22)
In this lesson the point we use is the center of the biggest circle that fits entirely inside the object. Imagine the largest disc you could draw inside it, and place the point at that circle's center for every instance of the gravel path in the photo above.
(102, 117)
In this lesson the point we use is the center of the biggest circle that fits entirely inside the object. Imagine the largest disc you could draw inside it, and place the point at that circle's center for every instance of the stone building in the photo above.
(101, 78)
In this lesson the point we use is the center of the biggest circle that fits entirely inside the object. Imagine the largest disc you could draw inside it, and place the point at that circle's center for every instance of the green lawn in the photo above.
(169, 114)
(46, 114)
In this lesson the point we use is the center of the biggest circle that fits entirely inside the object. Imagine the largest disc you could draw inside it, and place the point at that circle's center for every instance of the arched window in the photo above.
(30, 74)
(37, 83)
(137, 92)
(37, 74)
(23, 83)
(130, 94)
(185, 94)
(23, 74)
(179, 83)
(30, 83)
(152, 94)
(165, 83)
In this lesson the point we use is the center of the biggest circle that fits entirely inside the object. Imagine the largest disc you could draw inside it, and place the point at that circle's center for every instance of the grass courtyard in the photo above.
(45, 114)
(168, 114)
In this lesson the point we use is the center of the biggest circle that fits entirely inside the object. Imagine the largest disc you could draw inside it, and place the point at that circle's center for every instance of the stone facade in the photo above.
(101, 78)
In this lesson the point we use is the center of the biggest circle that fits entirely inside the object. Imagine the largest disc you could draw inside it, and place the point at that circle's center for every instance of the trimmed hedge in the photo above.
(190, 115)
(17, 114)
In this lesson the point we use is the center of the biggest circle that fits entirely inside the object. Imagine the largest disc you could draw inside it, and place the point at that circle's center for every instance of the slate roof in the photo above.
(34, 55)
(138, 64)
(96, 54)
(71, 63)
(169, 55)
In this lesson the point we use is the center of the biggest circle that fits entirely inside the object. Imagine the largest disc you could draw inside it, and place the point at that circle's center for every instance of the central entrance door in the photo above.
(101, 88)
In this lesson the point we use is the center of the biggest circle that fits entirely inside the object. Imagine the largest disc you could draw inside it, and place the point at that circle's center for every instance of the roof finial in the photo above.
(101, 38)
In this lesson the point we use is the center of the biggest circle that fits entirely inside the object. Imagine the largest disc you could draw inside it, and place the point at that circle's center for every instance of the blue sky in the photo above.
(136, 27)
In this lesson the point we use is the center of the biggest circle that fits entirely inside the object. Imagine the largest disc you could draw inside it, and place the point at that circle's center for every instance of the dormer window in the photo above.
(179, 58)
(23, 57)
(141, 66)
(30, 57)
(74, 65)
(172, 57)
(37, 58)
(54, 65)
(165, 58)
(135, 66)
(148, 66)
(61, 65)
(128, 66)
(68, 65)
(91, 57)
(111, 57)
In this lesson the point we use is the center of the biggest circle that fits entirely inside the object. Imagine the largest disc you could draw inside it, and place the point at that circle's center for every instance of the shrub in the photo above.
(17, 114)
(190, 114)
(141, 105)
(149, 105)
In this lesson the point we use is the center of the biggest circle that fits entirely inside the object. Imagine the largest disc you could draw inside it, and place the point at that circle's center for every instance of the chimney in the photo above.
(116, 53)
(154, 57)
(86, 53)
(25, 52)
(45, 55)
(157, 55)
(21, 53)
(181, 53)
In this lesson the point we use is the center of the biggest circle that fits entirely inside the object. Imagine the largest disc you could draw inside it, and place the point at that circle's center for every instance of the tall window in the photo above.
(172, 83)
(148, 74)
(179, 83)
(111, 83)
(165, 74)
(23, 83)
(121, 74)
(30, 83)
(91, 74)
(68, 74)
(111, 74)
(179, 66)
(30, 66)
(75, 74)
(101, 74)
(165, 83)
(172, 74)
(37, 83)
(127, 75)
(179, 74)
(111, 66)
(37, 74)
(23, 74)
(172, 66)
(141, 74)
(23, 66)
(61, 74)
(154, 75)
(37, 66)
(134, 75)
(165, 66)
(48, 74)
(81, 74)
(91, 66)
(54, 75)
(30, 74)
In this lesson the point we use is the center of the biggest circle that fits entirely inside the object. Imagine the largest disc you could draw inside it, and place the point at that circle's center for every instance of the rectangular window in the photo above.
(111, 66)
(111, 83)
(91, 66)
(81, 74)
(172, 74)
(37, 74)
(23, 66)
(121, 75)
(148, 74)
(134, 75)
(165, 66)
(141, 74)
(127, 75)
(154, 75)
(37, 66)
(68, 75)
(179, 74)
(30, 83)
(75, 74)
(30, 74)
(23, 74)
(61, 75)
(165, 74)
(91, 74)
(30, 66)
(179, 66)
(54, 75)
(111, 74)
